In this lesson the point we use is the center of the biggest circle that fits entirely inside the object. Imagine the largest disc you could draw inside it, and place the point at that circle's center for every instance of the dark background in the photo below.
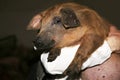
(16, 48)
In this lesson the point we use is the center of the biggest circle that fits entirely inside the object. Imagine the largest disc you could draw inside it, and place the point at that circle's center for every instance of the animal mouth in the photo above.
(44, 47)
(45, 50)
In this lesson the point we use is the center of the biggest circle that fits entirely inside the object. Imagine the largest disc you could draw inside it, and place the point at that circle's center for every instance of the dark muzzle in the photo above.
(43, 44)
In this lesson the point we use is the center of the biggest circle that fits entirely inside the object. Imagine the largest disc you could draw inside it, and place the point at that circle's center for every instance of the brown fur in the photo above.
(91, 33)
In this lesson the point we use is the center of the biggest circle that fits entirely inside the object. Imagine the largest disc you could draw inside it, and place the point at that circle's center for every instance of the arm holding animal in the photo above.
(110, 69)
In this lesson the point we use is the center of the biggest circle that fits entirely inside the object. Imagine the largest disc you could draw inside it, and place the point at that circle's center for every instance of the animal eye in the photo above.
(56, 20)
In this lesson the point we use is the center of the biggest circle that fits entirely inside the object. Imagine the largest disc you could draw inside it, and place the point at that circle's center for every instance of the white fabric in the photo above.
(60, 64)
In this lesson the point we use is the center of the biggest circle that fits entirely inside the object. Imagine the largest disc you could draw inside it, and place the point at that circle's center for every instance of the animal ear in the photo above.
(35, 23)
(69, 18)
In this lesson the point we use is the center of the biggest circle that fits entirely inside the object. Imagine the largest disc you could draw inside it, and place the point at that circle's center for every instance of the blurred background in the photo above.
(16, 48)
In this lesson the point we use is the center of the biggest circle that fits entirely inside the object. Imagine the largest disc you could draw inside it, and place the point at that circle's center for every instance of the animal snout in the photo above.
(38, 42)
(43, 44)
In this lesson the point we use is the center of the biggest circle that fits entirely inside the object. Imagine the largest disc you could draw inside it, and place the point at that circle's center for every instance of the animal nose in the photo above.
(43, 43)
(37, 42)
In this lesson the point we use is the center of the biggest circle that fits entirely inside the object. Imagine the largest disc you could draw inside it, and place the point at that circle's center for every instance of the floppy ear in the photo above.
(35, 23)
(69, 18)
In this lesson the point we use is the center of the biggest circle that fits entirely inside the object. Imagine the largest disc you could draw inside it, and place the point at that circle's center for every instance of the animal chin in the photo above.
(44, 47)
(45, 50)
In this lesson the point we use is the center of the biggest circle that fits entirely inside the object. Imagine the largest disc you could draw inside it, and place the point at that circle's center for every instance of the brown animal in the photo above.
(66, 25)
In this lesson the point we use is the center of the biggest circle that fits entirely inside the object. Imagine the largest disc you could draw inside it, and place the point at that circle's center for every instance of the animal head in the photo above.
(64, 25)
